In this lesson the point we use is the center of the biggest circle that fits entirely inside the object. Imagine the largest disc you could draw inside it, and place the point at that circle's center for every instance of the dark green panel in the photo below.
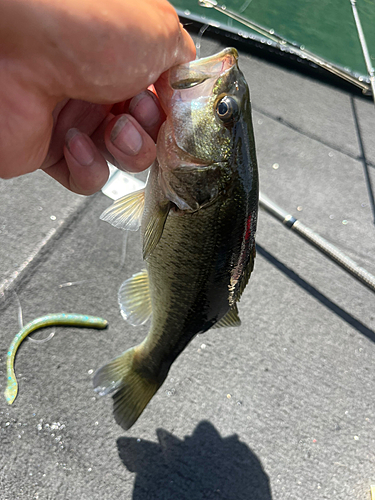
(325, 27)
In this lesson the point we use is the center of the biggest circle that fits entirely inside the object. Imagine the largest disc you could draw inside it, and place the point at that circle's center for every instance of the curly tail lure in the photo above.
(60, 319)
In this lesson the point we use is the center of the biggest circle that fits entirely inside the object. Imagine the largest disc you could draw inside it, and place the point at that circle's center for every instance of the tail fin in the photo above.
(132, 390)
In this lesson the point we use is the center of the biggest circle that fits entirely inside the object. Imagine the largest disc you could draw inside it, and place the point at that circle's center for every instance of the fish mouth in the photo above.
(190, 74)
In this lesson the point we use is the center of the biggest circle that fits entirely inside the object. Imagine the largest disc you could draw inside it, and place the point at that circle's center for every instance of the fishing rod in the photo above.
(298, 50)
(318, 242)
(362, 40)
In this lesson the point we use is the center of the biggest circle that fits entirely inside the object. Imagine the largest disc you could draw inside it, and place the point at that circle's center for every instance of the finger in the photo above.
(129, 143)
(98, 139)
(82, 115)
(187, 50)
(146, 109)
(83, 170)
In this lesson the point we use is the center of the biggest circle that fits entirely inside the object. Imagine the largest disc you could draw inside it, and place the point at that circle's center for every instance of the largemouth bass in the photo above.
(198, 216)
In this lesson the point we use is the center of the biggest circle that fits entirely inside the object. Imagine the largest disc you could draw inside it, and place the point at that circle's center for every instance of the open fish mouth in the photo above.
(189, 94)
(191, 74)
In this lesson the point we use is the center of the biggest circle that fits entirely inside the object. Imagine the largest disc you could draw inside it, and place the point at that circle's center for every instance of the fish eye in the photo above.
(227, 109)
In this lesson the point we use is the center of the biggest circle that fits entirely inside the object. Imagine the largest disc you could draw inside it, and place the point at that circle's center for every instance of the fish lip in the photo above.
(204, 68)
(229, 53)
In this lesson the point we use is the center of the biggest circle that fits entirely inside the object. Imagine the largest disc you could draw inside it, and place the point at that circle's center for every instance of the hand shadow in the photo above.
(203, 466)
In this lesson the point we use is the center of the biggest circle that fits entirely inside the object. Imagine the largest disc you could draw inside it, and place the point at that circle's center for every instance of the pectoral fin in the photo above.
(230, 319)
(135, 300)
(126, 212)
(155, 228)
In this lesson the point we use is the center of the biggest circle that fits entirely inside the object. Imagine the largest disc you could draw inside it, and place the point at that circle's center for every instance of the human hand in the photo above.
(69, 72)
(85, 135)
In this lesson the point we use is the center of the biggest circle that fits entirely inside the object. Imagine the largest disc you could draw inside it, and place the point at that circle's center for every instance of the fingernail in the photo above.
(79, 147)
(144, 109)
(126, 137)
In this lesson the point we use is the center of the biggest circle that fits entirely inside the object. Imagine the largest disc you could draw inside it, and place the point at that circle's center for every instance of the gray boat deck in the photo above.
(282, 407)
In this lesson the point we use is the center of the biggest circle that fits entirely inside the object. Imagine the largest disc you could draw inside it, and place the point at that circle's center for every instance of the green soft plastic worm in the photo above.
(60, 319)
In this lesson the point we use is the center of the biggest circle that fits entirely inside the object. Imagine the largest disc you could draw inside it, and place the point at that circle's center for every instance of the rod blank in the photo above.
(324, 246)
